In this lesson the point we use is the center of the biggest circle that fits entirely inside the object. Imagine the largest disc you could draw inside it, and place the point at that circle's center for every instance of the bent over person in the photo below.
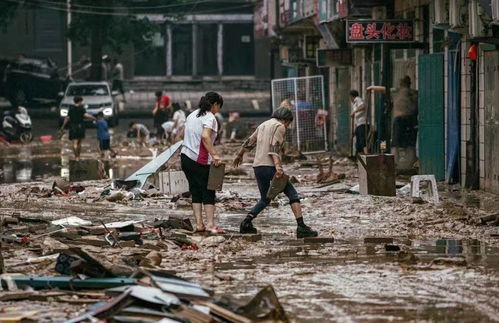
(268, 139)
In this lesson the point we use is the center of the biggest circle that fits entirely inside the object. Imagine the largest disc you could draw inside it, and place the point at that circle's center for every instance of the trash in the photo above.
(46, 139)
(79, 261)
(72, 221)
(121, 225)
(265, 306)
(416, 181)
(16, 316)
(378, 240)
(153, 166)
(65, 282)
(212, 241)
(216, 177)
(51, 246)
(354, 189)
(391, 247)
(153, 259)
(174, 223)
(453, 261)
(115, 196)
(277, 186)
(60, 186)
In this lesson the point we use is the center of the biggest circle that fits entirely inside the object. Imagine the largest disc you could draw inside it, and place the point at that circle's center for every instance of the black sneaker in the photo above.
(247, 227)
(305, 231)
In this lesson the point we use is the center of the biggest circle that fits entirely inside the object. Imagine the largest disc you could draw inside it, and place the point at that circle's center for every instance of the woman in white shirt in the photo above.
(198, 152)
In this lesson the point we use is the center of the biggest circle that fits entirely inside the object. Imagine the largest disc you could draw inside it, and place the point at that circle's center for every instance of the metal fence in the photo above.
(305, 97)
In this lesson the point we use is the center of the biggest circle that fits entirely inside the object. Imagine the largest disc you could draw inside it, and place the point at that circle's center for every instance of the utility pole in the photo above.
(69, 51)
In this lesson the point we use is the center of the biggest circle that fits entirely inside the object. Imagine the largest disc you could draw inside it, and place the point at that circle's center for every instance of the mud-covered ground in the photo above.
(447, 268)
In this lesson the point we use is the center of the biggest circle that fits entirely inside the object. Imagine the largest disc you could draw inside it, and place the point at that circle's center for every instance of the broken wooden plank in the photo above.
(378, 240)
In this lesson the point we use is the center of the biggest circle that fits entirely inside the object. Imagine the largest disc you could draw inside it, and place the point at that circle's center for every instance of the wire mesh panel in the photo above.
(305, 97)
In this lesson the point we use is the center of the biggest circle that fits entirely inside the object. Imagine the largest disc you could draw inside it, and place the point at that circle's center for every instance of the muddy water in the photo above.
(349, 281)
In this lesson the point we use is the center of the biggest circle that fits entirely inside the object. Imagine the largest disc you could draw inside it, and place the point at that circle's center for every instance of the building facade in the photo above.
(451, 59)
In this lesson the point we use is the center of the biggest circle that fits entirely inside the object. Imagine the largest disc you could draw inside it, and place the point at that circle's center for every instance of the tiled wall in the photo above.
(481, 128)
(465, 104)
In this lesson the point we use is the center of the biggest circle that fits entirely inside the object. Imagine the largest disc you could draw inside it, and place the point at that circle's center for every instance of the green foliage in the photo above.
(116, 28)
(7, 12)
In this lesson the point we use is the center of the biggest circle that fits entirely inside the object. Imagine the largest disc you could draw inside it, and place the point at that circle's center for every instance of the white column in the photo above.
(169, 50)
(69, 51)
(220, 49)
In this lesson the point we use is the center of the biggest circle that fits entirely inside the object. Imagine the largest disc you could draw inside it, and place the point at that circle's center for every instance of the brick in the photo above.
(245, 237)
(378, 240)
(318, 240)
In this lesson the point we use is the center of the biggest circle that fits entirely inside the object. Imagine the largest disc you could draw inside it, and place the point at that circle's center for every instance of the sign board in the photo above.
(380, 31)
(334, 57)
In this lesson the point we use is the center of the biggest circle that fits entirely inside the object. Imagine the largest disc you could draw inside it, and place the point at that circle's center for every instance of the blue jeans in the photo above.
(264, 175)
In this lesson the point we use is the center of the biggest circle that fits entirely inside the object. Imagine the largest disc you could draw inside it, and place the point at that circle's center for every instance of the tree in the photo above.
(111, 23)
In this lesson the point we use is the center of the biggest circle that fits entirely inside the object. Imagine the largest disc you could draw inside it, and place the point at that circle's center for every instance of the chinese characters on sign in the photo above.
(380, 31)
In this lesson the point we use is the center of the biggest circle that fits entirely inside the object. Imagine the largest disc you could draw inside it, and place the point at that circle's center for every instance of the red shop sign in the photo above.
(380, 31)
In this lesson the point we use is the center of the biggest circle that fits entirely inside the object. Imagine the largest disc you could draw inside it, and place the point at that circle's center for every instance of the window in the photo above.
(88, 90)
(182, 49)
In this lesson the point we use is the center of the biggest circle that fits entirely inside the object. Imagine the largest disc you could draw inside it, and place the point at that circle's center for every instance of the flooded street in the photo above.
(391, 260)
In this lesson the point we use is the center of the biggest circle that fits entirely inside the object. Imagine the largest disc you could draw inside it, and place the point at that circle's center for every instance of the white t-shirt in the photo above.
(360, 117)
(168, 126)
(179, 116)
(193, 147)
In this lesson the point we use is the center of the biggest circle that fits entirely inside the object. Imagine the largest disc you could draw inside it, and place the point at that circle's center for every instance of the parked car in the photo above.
(96, 96)
(26, 81)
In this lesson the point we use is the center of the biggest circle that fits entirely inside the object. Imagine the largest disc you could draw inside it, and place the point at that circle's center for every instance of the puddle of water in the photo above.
(355, 282)
(24, 169)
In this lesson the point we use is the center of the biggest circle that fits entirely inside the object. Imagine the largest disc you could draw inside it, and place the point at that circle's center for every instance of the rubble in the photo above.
(93, 248)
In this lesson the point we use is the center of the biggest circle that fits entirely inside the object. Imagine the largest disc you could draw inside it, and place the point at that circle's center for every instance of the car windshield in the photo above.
(88, 90)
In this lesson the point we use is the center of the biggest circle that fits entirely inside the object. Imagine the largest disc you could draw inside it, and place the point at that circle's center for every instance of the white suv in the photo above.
(97, 97)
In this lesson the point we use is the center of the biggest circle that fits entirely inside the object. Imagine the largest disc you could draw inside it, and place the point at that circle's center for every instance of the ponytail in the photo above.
(207, 101)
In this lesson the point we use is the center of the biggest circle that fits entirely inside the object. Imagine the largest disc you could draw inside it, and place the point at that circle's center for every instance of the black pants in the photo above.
(197, 176)
(118, 86)
(361, 138)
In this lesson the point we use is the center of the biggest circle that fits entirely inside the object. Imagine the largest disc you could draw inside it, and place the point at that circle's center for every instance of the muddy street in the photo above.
(377, 258)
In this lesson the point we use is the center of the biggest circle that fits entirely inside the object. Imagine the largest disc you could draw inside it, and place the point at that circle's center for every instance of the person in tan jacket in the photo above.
(268, 140)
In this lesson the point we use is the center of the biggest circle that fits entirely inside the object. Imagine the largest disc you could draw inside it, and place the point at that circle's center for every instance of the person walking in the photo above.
(198, 152)
(160, 113)
(118, 75)
(75, 119)
(359, 116)
(103, 136)
(268, 139)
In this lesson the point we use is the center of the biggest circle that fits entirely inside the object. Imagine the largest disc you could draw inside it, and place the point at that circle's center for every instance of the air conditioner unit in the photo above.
(441, 12)
(476, 26)
(458, 13)
(495, 10)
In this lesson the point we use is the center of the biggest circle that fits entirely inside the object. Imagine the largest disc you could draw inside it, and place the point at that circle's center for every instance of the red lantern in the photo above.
(473, 52)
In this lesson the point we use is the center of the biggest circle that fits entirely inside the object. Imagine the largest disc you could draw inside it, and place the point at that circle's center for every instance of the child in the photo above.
(103, 135)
